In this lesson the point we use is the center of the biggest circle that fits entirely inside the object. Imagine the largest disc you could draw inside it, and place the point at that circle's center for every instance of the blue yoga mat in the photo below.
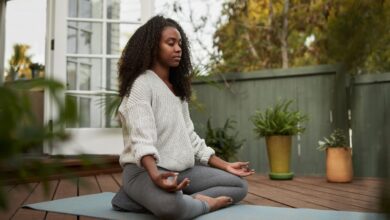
(99, 206)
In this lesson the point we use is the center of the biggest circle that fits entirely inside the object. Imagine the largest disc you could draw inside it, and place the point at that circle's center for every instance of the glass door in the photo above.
(88, 38)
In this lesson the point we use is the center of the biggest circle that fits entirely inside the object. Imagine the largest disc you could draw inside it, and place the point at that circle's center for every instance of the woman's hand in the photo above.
(236, 168)
(168, 182)
(239, 169)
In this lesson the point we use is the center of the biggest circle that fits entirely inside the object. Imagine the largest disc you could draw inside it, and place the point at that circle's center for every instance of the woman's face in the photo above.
(170, 47)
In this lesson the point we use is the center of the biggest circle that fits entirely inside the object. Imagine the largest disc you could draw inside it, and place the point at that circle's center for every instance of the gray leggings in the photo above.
(139, 194)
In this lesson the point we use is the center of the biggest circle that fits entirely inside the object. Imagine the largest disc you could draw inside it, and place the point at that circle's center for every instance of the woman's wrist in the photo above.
(217, 162)
(149, 163)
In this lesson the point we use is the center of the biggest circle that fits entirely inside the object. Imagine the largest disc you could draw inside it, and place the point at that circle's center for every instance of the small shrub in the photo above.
(225, 145)
(336, 139)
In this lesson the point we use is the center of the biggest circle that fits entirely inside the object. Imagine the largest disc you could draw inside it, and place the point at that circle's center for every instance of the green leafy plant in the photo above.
(278, 120)
(21, 132)
(36, 68)
(336, 139)
(224, 144)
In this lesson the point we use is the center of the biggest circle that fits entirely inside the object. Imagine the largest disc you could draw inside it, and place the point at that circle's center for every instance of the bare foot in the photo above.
(215, 203)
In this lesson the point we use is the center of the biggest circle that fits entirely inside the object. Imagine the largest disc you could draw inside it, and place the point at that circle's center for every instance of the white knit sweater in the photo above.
(156, 122)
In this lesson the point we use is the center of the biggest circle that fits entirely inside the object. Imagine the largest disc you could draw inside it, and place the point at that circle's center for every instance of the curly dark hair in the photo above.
(142, 48)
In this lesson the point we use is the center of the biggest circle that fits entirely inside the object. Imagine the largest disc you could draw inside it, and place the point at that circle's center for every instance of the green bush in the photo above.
(224, 144)
(278, 120)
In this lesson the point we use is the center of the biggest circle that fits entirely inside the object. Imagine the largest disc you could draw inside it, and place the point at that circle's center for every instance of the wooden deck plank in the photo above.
(314, 200)
(88, 185)
(321, 188)
(340, 202)
(280, 196)
(16, 197)
(378, 184)
(347, 187)
(66, 188)
(118, 178)
(244, 202)
(254, 199)
(373, 179)
(38, 195)
(358, 184)
(107, 183)
(7, 188)
(302, 192)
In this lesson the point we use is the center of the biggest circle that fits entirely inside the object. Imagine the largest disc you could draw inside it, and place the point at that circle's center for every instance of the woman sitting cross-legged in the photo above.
(167, 168)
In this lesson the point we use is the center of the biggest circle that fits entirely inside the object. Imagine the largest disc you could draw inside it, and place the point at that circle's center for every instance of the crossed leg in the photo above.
(214, 182)
(140, 194)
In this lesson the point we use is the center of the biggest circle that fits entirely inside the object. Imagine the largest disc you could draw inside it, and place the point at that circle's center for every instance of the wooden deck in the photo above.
(364, 194)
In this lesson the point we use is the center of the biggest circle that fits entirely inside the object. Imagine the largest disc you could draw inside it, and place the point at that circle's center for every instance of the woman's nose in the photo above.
(177, 48)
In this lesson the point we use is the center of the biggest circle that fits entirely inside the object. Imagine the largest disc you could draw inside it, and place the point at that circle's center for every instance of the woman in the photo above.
(159, 170)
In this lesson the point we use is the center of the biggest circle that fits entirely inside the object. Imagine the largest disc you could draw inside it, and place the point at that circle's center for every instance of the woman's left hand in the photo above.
(239, 169)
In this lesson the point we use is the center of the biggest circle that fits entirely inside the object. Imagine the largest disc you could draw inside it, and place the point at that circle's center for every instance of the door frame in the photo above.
(83, 140)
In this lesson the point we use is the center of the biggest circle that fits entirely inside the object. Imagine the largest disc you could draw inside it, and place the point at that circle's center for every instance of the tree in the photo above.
(359, 35)
(266, 34)
(260, 34)
(19, 61)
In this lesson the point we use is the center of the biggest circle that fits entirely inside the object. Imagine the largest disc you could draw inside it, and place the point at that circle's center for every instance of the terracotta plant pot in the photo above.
(279, 157)
(339, 164)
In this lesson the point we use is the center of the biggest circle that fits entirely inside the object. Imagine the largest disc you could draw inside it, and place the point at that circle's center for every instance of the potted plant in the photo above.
(225, 145)
(338, 157)
(36, 68)
(278, 124)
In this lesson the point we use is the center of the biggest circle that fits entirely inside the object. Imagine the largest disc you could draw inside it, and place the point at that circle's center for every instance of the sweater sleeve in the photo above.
(139, 123)
(202, 151)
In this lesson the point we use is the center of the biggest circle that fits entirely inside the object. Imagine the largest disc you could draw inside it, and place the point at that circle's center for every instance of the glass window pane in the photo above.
(72, 99)
(84, 73)
(118, 35)
(84, 37)
(72, 8)
(126, 10)
(112, 75)
(72, 39)
(89, 111)
(71, 81)
(112, 85)
(112, 120)
(84, 109)
(85, 8)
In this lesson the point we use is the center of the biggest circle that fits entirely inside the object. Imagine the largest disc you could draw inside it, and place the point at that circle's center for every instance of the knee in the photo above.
(242, 190)
(172, 208)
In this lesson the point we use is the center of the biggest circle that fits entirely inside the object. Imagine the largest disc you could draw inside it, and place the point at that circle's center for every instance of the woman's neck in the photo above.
(161, 71)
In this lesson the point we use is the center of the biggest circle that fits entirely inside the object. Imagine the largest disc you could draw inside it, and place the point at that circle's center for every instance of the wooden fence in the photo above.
(370, 111)
(322, 92)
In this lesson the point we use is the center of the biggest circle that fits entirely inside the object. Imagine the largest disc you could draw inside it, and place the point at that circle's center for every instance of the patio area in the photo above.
(363, 195)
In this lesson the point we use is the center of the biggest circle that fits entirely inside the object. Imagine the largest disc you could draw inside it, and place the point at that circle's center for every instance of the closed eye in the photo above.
(171, 42)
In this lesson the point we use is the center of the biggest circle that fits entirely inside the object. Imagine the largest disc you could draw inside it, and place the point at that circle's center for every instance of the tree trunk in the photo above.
(283, 40)
(270, 18)
(270, 32)
(251, 47)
